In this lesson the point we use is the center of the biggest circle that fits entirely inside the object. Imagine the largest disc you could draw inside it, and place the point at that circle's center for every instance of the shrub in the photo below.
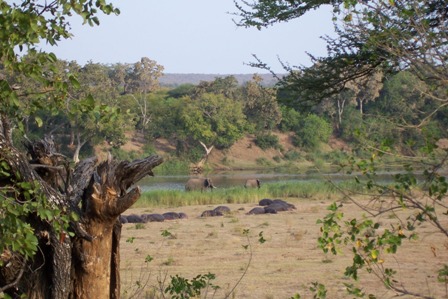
(148, 149)
(336, 157)
(313, 131)
(265, 141)
(263, 162)
(191, 153)
(292, 156)
(352, 126)
(181, 287)
(381, 131)
(290, 120)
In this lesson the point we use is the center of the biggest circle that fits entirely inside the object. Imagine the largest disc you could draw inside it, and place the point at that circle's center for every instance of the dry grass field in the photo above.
(286, 264)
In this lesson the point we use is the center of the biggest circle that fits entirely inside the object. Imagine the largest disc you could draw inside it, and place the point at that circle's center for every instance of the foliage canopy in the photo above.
(377, 37)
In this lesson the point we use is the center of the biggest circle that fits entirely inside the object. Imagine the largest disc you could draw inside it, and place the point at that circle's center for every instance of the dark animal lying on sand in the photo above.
(211, 213)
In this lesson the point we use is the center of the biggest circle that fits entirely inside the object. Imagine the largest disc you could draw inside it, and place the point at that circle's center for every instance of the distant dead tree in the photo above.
(199, 167)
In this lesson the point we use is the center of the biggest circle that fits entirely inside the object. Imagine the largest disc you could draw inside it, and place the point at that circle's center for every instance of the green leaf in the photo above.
(52, 57)
(88, 103)
(74, 81)
(39, 121)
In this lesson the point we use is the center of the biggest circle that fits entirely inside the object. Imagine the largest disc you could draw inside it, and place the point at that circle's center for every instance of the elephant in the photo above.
(252, 183)
(199, 184)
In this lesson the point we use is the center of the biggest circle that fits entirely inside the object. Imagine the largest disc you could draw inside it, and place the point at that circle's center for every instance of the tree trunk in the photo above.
(94, 273)
(79, 145)
(361, 108)
(85, 265)
(341, 105)
(71, 143)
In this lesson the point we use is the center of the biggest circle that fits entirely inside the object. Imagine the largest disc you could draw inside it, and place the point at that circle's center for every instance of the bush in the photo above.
(290, 119)
(292, 156)
(265, 141)
(433, 131)
(352, 126)
(296, 141)
(149, 149)
(263, 162)
(381, 131)
(192, 153)
(336, 157)
(313, 131)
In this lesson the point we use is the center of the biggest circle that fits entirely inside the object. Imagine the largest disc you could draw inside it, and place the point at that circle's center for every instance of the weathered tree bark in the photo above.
(87, 264)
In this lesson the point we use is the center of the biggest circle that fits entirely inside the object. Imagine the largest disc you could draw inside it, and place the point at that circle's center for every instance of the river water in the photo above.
(238, 178)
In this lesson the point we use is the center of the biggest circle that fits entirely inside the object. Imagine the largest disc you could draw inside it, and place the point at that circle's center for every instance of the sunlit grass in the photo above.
(178, 198)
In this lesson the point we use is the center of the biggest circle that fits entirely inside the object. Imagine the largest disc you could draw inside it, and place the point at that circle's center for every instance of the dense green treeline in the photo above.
(106, 101)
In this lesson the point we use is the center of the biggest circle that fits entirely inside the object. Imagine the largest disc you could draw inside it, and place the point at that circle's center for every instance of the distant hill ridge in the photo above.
(173, 80)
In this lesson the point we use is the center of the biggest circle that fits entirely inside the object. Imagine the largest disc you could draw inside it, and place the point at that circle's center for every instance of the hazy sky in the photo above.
(193, 36)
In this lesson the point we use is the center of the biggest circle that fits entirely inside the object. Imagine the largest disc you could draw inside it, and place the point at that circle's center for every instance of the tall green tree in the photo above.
(313, 131)
(143, 76)
(182, 90)
(406, 102)
(226, 86)
(141, 80)
(166, 118)
(89, 114)
(260, 105)
(404, 98)
(213, 119)
(100, 119)
(291, 119)
(335, 107)
(117, 73)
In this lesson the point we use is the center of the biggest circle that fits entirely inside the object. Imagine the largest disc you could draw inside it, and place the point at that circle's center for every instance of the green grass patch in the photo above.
(178, 198)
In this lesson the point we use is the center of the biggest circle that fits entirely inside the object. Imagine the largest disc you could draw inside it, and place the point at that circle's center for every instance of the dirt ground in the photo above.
(286, 264)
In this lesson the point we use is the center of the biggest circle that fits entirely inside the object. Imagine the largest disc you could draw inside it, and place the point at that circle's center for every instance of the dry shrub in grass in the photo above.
(298, 235)
(315, 209)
